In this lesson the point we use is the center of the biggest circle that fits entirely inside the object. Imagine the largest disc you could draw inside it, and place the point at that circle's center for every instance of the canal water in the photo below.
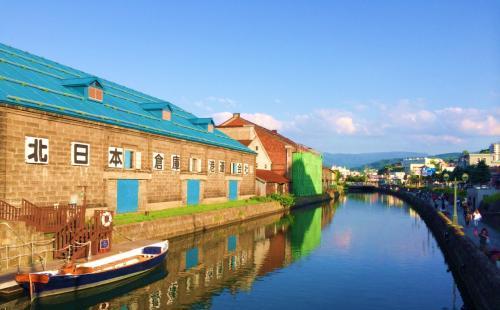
(366, 251)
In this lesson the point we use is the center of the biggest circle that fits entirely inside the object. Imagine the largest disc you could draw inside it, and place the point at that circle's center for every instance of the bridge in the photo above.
(361, 186)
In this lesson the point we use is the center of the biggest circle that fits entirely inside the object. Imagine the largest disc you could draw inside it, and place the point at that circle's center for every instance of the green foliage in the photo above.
(126, 218)
(450, 191)
(286, 200)
(485, 151)
(492, 198)
(478, 174)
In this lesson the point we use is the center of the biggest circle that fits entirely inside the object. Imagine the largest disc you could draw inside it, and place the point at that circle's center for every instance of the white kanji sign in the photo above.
(176, 162)
(80, 154)
(245, 169)
(158, 161)
(115, 157)
(211, 166)
(36, 150)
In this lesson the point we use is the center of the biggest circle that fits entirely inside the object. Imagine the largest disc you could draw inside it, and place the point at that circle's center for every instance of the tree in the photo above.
(480, 173)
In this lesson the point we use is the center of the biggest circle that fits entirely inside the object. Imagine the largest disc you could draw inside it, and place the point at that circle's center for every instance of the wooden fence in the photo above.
(78, 240)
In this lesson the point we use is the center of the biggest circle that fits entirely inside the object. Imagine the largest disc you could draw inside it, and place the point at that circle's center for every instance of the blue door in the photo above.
(193, 192)
(191, 258)
(233, 190)
(127, 196)
(231, 243)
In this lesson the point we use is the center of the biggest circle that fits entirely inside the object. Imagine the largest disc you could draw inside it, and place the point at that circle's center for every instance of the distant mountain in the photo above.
(359, 160)
(449, 156)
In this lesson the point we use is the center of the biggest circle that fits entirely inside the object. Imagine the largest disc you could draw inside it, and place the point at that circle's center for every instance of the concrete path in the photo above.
(472, 231)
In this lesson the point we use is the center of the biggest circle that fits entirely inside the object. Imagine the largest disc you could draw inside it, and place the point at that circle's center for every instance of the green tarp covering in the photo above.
(306, 174)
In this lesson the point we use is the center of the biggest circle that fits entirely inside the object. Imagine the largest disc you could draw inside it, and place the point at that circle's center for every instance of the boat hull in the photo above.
(63, 284)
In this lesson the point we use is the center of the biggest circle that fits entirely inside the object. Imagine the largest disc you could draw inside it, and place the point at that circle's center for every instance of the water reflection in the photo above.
(331, 265)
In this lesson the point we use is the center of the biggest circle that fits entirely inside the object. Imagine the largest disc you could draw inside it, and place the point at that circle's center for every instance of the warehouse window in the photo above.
(194, 164)
(95, 92)
(129, 157)
(236, 168)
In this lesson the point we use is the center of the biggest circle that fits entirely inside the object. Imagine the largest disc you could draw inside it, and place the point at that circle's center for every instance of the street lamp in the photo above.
(465, 177)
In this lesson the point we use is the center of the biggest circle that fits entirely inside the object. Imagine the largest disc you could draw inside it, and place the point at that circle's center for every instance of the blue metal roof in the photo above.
(35, 82)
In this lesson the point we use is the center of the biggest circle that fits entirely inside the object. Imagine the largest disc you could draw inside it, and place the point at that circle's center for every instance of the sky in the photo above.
(339, 76)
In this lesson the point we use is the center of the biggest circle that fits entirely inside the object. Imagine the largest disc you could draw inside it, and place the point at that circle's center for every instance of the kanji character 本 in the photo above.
(115, 157)
(36, 150)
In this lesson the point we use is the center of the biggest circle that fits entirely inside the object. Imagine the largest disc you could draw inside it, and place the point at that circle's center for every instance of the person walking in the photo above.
(484, 240)
(477, 217)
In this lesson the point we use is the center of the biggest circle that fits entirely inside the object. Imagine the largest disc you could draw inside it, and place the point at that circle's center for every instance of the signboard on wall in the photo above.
(36, 150)
(115, 157)
(428, 171)
(80, 154)
(158, 161)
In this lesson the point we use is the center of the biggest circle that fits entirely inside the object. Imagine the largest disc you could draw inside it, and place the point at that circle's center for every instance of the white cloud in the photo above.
(345, 125)
(212, 103)
(438, 139)
(221, 117)
(485, 127)
(262, 119)
(407, 123)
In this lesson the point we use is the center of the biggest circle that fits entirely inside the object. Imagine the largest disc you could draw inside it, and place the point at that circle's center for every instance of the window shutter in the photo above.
(138, 159)
(199, 165)
(190, 164)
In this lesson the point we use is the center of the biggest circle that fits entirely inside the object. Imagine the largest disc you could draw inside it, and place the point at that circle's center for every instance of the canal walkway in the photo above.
(472, 231)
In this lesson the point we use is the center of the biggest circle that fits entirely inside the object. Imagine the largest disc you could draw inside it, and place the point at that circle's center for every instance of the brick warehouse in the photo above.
(68, 137)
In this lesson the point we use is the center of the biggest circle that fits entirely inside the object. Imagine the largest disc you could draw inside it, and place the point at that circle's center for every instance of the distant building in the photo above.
(344, 172)
(413, 166)
(491, 159)
(328, 178)
(275, 154)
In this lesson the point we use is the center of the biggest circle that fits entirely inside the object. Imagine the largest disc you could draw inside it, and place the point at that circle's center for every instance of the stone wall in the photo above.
(181, 225)
(59, 180)
(23, 247)
(476, 275)
(307, 200)
(3, 146)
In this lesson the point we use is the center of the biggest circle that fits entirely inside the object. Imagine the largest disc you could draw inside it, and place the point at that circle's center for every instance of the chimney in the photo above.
(236, 115)
(274, 131)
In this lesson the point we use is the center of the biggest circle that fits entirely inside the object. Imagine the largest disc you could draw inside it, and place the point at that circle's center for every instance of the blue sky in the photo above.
(340, 76)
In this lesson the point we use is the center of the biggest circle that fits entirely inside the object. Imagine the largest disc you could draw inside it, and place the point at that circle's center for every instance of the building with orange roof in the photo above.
(274, 153)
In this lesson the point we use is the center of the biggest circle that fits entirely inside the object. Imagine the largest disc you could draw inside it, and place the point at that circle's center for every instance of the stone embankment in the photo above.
(186, 224)
(304, 201)
(475, 273)
(180, 225)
